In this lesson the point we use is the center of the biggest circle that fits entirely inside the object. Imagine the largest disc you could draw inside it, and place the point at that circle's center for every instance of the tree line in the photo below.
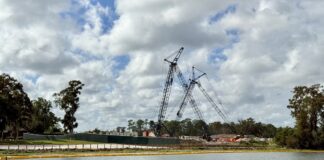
(19, 112)
(189, 127)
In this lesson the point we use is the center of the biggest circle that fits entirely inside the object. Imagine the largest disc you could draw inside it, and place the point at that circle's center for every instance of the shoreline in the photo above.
(142, 153)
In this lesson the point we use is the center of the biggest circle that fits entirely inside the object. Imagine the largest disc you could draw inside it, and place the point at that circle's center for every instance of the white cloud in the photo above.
(278, 45)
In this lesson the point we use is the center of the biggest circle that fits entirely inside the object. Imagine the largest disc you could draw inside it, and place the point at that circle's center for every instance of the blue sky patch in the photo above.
(221, 14)
(120, 63)
(77, 13)
(217, 54)
(108, 21)
(32, 78)
(233, 35)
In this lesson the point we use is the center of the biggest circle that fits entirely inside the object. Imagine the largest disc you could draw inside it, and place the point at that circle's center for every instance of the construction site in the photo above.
(188, 87)
(156, 135)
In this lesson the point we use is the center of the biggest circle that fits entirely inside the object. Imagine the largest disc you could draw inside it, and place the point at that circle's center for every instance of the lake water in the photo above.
(218, 156)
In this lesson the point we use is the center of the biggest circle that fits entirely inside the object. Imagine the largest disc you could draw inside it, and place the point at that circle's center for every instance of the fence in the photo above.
(111, 146)
(108, 146)
(106, 139)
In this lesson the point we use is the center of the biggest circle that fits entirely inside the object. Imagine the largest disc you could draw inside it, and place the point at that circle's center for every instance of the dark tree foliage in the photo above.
(3, 115)
(307, 107)
(151, 125)
(131, 126)
(43, 120)
(188, 127)
(173, 127)
(15, 106)
(284, 137)
(68, 100)
(140, 127)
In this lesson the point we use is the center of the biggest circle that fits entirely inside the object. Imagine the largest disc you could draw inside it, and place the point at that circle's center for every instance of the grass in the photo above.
(130, 152)
(41, 142)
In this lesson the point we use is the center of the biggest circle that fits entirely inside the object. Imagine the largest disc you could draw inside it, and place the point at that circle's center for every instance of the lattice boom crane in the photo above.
(167, 90)
(188, 97)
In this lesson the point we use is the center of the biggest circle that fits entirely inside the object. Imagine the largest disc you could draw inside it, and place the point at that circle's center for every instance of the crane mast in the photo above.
(188, 97)
(191, 101)
(167, 91)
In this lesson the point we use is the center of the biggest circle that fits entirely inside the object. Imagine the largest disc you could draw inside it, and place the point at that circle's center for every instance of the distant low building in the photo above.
(121, 129)
(148, 134)
(165, 135)
(115, 133)
(195, 138)
(224, 138)
(244, 139)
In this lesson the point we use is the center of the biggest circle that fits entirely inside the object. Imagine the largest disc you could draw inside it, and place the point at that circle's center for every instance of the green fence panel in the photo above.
(106, 139)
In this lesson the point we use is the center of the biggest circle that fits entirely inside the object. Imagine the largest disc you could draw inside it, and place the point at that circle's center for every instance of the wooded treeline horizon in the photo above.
(18, 112)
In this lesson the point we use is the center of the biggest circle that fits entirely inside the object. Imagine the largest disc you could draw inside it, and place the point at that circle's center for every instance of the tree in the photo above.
(187, 127)
(199, 127)
(139, 127)
(131, 125)
(68, 100)
(307, 107)
(146, 123)
(3, 115)
(285, 137)
(173, 127)
(96, 131)
(248, 127)
(43, 120)
(15, 105)
(268, 131)
(151, 125)
(215, 128)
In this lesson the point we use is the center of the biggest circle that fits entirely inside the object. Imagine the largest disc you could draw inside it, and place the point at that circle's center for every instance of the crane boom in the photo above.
(218, 110)
(185, 99)
(188, 97)
(167, 91)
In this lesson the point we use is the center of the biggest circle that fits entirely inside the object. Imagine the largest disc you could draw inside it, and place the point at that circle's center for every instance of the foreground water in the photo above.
(218, 156)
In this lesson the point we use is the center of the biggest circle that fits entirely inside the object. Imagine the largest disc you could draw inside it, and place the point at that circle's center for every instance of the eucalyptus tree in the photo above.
(68, 100)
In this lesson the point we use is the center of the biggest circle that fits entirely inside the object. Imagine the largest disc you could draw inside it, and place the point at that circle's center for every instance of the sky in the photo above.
(253, 51)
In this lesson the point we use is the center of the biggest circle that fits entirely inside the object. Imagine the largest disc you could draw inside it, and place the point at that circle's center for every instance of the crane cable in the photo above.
(217, 97)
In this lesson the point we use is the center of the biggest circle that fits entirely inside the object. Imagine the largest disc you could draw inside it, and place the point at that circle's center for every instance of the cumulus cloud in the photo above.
(254, 53)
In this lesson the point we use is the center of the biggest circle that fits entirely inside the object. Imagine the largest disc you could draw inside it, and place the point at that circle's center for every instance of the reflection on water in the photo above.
(218, 156)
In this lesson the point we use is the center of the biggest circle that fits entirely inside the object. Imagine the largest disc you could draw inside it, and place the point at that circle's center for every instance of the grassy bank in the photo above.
(129, 152)
(41, 142)
(13, 154)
